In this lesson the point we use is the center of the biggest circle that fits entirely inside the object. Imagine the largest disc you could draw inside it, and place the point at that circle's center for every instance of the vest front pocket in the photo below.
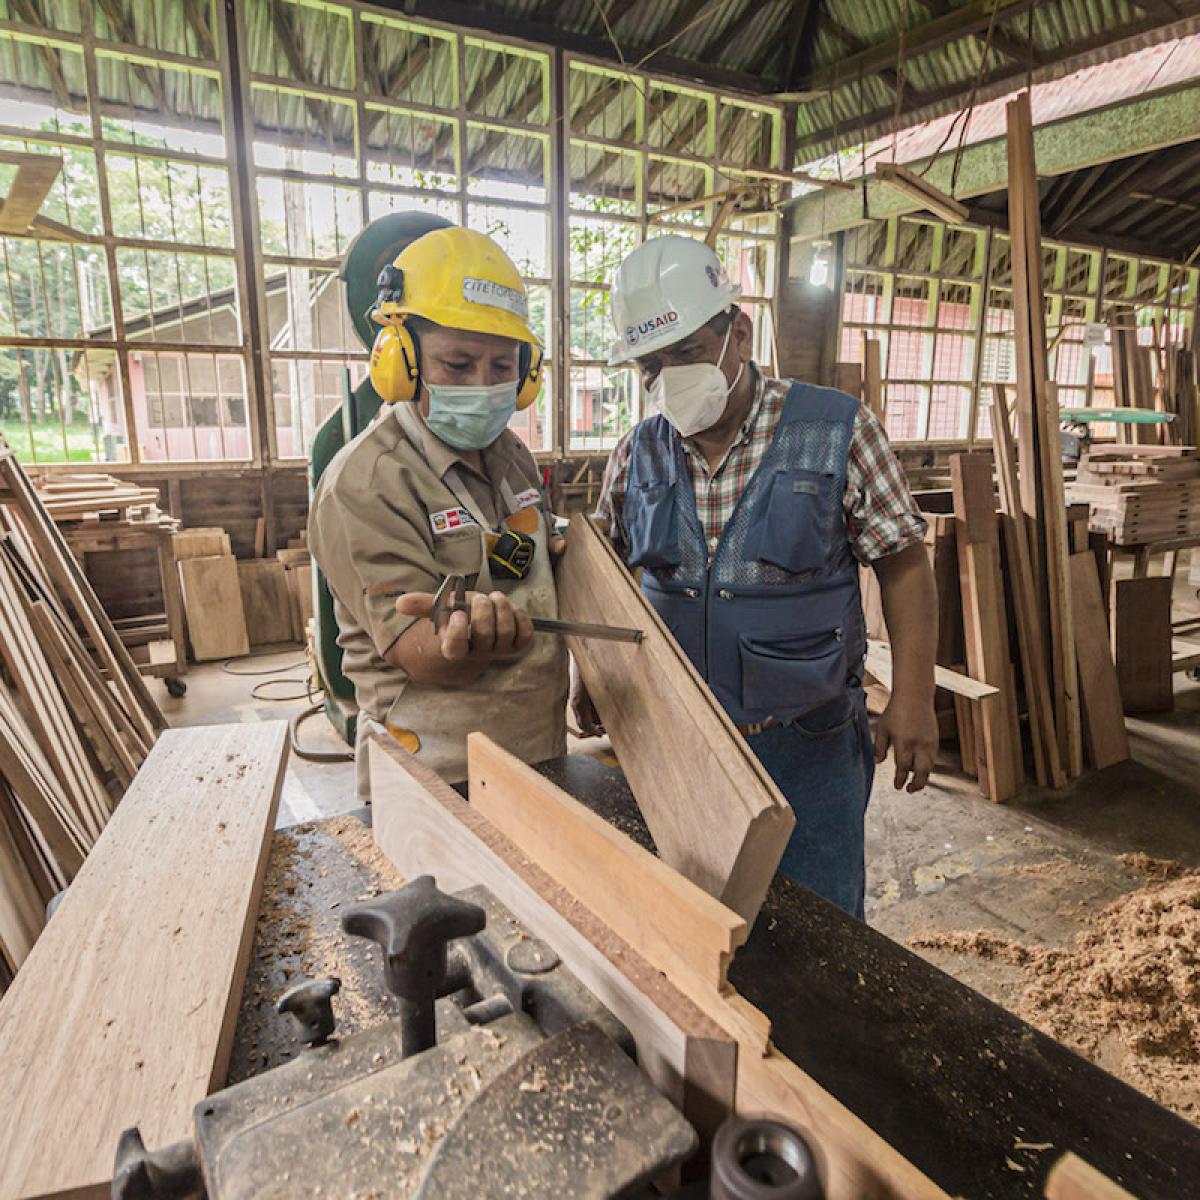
(794, 530)
(791, 676)
(652, 526)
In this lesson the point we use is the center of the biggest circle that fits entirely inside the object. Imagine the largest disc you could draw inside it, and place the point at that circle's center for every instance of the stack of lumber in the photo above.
(96, 497)
(1141, 494)
(76, 719)
(232, 605)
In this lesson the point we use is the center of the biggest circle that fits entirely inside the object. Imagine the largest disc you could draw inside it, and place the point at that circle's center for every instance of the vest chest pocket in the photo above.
(652, 526)
(796, 522)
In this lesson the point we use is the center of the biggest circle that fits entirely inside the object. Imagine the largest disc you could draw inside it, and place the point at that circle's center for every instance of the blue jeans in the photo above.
(824, 764)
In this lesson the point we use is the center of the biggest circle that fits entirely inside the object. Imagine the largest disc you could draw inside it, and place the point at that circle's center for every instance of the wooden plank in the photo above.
(872, 377)
(300, 588)
(1031, 632)
(1073, 1179)
(207, 542)
(423, 825)
(22, 912)
(135, 982)
(212, 599)
(36, 174)
(665, 917)
(848, 378)
(266, 601)
(985, 621)
(879, 663)
(1100, 693)
(712, 809)
(1141, 642)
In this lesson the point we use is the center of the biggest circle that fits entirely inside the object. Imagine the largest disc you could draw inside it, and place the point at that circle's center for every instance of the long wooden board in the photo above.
(985, 623)
(879, 663)
(212, 598)
(123, 1014)
(1073, 1179)
(666, 917)
(1100, 693)
(423, 825)
(712, 809)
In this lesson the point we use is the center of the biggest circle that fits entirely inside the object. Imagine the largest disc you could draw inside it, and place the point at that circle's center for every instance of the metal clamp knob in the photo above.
(311, 1003)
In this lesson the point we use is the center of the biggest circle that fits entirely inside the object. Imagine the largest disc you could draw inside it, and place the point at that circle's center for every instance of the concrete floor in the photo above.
(944, 859)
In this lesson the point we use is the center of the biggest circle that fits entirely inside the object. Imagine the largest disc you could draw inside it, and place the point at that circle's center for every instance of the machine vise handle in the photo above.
(414, 927)
(311, 1003)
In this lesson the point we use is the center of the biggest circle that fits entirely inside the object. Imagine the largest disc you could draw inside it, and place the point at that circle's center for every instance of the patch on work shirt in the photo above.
(450, 518)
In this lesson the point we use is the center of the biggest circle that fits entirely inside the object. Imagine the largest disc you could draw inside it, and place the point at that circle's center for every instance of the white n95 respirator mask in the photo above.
(693, 396)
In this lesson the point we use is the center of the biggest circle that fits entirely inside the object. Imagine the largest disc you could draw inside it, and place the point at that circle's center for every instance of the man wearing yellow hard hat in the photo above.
(429, 490)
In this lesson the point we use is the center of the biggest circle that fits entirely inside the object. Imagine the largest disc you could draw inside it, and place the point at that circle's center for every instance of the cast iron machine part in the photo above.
(497, 1042)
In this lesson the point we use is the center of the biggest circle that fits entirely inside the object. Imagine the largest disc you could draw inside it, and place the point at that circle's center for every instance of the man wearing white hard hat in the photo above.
(749, 503)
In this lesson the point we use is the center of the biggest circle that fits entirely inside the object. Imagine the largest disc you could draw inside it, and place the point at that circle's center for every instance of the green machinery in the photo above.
(373, 249)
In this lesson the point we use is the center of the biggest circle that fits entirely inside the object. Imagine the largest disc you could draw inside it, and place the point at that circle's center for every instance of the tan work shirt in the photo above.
(398, 506)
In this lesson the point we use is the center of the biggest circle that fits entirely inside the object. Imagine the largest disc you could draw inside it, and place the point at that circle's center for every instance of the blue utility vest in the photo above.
(773, 619)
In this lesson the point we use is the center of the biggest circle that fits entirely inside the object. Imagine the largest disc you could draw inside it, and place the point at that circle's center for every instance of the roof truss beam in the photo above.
(1073, 144)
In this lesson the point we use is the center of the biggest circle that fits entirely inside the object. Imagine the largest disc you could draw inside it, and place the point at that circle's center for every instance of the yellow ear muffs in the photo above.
(530, 360)
(395, 365)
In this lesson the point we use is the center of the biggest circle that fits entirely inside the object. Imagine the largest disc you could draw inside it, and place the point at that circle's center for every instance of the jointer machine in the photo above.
(501, 1076)
(474, 1064)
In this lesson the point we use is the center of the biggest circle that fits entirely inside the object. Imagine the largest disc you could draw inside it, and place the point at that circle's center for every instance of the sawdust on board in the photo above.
(1126, 993)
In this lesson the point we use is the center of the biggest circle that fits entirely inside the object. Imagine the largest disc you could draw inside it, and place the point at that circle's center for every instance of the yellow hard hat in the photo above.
(460, 279)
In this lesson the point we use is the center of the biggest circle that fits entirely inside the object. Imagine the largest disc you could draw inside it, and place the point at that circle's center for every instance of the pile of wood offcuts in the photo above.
(1126, 994)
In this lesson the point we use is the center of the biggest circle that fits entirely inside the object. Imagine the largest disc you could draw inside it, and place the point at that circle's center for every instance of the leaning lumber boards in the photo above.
(1099, 691)
(123, 1014)
(985, 624)
(424, 826)
(713, 811)
(1041, 482)
(212, 599)
(60, 565)
(1031, 630)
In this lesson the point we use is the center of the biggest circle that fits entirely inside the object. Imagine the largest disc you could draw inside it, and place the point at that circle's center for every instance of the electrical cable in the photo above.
(226, 667)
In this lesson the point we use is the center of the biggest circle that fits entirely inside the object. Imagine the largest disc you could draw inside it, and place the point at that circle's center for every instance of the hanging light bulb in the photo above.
(818, 273)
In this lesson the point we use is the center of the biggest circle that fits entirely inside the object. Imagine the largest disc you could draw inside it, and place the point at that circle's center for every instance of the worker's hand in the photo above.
(557, 546)
(497, 629)
(583, 711)
(911, 730)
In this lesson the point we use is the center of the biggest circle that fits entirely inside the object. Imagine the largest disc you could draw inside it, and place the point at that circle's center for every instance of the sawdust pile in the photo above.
(1126, 994)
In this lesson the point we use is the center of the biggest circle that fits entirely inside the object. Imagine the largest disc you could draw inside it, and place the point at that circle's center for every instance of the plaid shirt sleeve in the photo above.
(612, 495)
(882, 517)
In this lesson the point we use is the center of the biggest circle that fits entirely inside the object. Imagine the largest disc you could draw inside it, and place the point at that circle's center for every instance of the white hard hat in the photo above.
(664, 290)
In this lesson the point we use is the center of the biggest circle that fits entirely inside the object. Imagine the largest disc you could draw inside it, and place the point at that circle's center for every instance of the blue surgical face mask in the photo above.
(470, 418)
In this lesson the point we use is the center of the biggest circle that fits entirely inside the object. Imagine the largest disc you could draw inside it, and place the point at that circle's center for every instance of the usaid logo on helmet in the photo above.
(664, 290)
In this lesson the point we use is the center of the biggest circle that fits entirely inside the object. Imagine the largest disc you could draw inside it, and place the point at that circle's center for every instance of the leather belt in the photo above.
(760, 727)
